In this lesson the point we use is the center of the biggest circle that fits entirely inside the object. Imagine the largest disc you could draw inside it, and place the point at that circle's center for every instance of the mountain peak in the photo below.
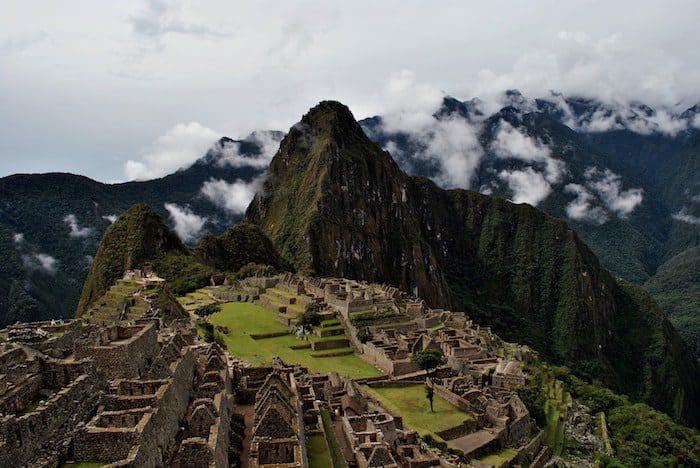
(328, 111)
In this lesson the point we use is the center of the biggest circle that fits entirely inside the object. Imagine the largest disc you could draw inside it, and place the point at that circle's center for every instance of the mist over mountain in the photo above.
(625, 177)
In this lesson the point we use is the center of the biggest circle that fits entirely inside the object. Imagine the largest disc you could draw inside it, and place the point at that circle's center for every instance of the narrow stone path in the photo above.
(248, 413)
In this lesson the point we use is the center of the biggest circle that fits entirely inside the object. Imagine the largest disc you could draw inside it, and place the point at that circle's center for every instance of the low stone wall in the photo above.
(528, 452)
(394, 383)
(467, 427)
(330, 344)
(327, 355)
(262, 336)
(324, 332)
(456, 400)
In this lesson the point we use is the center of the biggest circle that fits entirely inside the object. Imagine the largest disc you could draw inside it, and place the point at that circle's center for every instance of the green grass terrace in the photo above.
(244, 319)
(410, 402)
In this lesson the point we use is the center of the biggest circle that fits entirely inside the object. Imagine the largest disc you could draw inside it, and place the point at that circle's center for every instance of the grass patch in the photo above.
(411, 403)
(317, 450)
(334, 448)
(244, 319)
(499, 458)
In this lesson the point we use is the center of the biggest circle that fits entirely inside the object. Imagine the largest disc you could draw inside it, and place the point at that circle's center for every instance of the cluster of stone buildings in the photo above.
(140, 394)
(479, 377)
(147, 391)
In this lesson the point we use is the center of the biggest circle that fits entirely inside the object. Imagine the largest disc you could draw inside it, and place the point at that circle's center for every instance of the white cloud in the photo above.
(188, 225)
(450, 143)
(179, 147)
(582, 208)
(613, 69)
(75, 229)
(41, 261)
(110, 218)
(257, 81)
(512, 143)
(229, 153)
(686, 217)
(233, 197)
(18, 238)
(618, 116)
(528, 185)
(608, 186)
(161, 17)
(696, 120)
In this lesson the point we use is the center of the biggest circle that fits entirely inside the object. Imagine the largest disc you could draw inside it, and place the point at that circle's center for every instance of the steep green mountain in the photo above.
(51, 224)
(238, 246)
(138, 237)
(335, 203)
(676, 287)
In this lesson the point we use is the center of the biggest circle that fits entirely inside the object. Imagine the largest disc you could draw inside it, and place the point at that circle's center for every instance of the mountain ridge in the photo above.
(334, 203)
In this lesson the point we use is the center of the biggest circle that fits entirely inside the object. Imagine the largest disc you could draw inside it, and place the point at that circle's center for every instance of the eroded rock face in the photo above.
(335, 204)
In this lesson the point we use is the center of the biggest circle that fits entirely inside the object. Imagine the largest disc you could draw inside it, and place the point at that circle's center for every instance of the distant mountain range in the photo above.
(626, 178)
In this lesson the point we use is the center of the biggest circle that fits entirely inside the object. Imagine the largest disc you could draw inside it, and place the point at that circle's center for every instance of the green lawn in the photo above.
(244, 318)
(411, 403)
(499, 458)
(337, 458)
(317, 451)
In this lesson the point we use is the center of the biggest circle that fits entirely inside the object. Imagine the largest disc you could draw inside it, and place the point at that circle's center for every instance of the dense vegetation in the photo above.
(240, 245)
(676, 287)
(135, 239)
(640, 435)
(337, 205)
(35, 206)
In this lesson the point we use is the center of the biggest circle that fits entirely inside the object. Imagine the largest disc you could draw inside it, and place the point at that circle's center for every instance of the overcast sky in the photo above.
(87, 86)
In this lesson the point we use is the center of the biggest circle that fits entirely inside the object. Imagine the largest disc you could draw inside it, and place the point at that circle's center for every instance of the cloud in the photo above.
(75, 229)
(696, 120)
(686, 217)
(18, 238)
(229, 153)
(450, 143)
(110, 218)
(40, 261)
(528, 186)
(158, 18)
(232, 197)
(512, 143)
(612, 69)
(21, 42)
(581, 208)
(188, 225)
(179, 147)
(608, 186)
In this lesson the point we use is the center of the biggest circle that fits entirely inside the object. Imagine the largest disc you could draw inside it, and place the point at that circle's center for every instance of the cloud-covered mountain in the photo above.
(51, 224)
(625, 176)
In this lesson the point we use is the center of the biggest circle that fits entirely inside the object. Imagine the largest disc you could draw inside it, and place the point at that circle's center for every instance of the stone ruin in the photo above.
(142, 392)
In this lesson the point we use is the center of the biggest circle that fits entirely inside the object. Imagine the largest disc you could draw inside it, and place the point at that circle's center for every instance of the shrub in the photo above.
(207, 310)
(364, 335)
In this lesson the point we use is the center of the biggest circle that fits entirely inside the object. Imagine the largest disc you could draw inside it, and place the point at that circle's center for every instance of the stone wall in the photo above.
(330, 344)
(29, 435)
